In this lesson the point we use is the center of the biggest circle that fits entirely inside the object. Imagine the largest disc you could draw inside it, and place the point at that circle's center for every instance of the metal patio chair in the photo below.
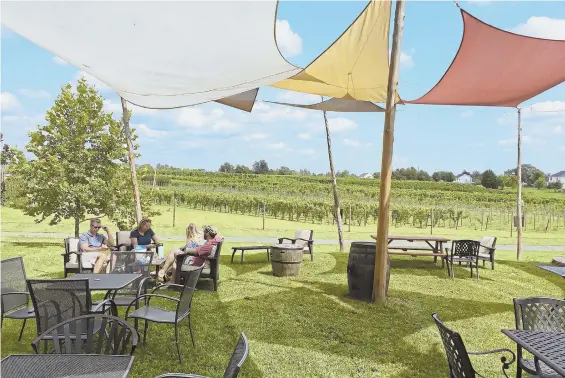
(130, 262)
(464, 251)
(14, 294)
(104, 334)
(159, 315)
(210, 270)
(458, 357)
(538, 314)
(72, 258)
(232, 371)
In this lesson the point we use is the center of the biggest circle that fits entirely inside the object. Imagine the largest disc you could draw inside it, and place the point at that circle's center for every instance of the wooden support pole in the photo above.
(519, 195)
(334, 184)
(136, 198)
(380, 277)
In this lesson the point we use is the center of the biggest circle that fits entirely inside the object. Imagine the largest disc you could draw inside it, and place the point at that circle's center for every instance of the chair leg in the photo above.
(145, 332)
(484, 261)
(22, 331)
(477, 270)
(492, 264)
(191, 335)
(177, 341)
(215, 281)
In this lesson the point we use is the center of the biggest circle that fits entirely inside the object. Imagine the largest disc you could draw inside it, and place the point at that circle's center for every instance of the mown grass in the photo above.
(305, 326)
(252, 226)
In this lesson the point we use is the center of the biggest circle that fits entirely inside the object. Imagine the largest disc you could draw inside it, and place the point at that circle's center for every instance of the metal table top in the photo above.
(548, 347)
(65, 365)
(559, 270)
(107, 281)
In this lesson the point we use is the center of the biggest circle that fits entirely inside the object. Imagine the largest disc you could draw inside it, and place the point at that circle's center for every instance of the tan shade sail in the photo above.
(242, 101)
(159, 54)
(494, 67)
(338, 105)
(355, 66)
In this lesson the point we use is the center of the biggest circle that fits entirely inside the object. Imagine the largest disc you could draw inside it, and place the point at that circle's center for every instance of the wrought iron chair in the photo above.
(303, 238)
(72, 258)
(123, 241)
(210, 270)
(538, 314)
(14, 294)
(464, 251)
(130, 262)
(104, 334)
(236, 361)
(458, 357)
(159, 315)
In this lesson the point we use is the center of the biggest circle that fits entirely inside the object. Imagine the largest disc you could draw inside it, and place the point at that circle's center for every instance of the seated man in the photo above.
(95, 247)
(193, 254)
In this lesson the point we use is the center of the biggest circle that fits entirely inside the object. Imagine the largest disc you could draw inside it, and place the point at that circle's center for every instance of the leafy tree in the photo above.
(242, 169)
(80, 165)
(509, 181)
(377, 175)
(555, 185)
(261, 167)
(10, 159)
(490, 180)
(305, 172)
(285, 171)
(540, 183)
(227, 168)
(443, 176)
(530, 174)
(410, 174)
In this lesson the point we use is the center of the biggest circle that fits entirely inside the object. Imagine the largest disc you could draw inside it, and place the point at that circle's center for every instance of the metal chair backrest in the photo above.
(185, 299)
(238, 357)
(465, 248)
(215, 262)
(540, 314)
(131, 262)
(13, 280)
(56, 301)
(90, 334)
(457, 356)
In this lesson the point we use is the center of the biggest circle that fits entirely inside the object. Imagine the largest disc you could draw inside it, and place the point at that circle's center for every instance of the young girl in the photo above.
(193, 240)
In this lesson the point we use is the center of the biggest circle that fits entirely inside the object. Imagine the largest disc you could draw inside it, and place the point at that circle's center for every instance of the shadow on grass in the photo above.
(530, 267)
(252, 262)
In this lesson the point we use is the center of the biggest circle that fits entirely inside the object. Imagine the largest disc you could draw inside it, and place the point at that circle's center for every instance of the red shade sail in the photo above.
(494, 67)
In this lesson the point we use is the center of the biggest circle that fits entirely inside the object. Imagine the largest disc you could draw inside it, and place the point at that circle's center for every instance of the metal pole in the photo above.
(519, 196)
(380, 276)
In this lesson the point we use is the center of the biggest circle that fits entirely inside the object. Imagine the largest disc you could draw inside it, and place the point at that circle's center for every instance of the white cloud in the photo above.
(546, 106)
(60, 61)
(340, 124)
(289, 42)
(255, 136)
(298, 98)
(466, 114)
(267, 113)
(147, 131)
(9, 102)
(559, 130)
(34, 93)
(277, 146)
(304, 136)
(92, 81)
(542, 27)
(480, 2)
(406, 60)
(526, 139)
(23, 121)
(197, 119)
(307, 152)
(351, 142)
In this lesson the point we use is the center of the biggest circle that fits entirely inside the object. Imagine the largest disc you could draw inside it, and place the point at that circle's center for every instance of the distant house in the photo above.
(559, 176)
(464, 178)
(366, 175)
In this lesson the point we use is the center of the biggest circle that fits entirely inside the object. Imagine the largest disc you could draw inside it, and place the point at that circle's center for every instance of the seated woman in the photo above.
(196, 256)
(193, 240)
(143, 235)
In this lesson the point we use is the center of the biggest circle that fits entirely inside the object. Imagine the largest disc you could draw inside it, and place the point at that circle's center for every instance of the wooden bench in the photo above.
(407, 248)
(250, 248)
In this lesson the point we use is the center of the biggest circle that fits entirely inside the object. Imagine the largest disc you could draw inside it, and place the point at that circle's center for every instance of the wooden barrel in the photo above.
(361, 269)
(286, 259)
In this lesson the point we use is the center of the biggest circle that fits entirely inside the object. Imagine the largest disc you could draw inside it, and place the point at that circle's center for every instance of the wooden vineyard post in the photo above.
(519, 194)
(263, 216)
(380, 275)
(174, 207)
(125, 118)
(349, 220)
(432, 223)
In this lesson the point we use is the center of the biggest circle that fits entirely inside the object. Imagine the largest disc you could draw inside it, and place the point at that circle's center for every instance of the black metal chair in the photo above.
(159, 315)
(538, 314)
(14, 294)
(123, 241)
(209, 271)
(464, 251)
(130, 262)
(458, 357)
(72, 258)
(90, 334)
(232, 371)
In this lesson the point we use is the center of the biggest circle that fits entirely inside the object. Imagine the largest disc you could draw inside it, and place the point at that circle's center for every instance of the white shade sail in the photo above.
(159, 54)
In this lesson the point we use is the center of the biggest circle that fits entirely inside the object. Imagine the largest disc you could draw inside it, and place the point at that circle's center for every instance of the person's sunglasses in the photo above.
(97, 227)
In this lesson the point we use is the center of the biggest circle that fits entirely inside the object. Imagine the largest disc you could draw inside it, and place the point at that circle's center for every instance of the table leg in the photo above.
(268, 254)
(242, 256)
(233, 253)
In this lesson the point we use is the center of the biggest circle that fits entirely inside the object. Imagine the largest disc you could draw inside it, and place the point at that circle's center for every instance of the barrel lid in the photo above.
(368, 244)
(286, 246)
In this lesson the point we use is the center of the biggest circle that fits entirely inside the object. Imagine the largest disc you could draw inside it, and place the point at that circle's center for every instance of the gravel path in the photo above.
(260, 240)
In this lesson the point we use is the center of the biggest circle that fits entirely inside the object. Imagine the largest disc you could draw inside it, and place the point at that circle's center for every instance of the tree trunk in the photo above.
(136, 198)
(334, 185)
(77, 218)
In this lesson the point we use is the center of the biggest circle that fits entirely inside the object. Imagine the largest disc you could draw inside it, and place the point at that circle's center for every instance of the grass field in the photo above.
(305, 326)
(246, 225)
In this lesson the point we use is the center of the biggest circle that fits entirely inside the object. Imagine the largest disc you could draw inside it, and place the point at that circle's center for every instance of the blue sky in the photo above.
(429, 137)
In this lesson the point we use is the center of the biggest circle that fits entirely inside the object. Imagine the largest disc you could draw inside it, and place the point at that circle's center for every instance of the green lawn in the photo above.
(305, 326)
(245, 225)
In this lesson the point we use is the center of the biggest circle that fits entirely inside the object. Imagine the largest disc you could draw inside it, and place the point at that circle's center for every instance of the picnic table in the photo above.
(548, 347)
(65, 365)
(434, 247)
(250, 248)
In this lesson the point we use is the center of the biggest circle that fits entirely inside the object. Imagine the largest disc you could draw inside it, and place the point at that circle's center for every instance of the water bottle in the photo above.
(160, 250)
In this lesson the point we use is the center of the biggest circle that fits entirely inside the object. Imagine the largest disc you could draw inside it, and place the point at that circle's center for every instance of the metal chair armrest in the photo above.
(291, 239)
(180, 375)
(165, 285)
(113, 308)
(136, 300)
(16, 293)
(505, 364)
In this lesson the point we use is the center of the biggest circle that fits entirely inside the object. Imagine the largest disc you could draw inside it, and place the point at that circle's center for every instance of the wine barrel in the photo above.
(361, 270)
(286, 259)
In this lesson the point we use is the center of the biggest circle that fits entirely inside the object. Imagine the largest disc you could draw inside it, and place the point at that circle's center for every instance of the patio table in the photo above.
(434, 247)
(250, 248)
(548, 347)
(106, 281)
(65, 365)
(559, 270)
